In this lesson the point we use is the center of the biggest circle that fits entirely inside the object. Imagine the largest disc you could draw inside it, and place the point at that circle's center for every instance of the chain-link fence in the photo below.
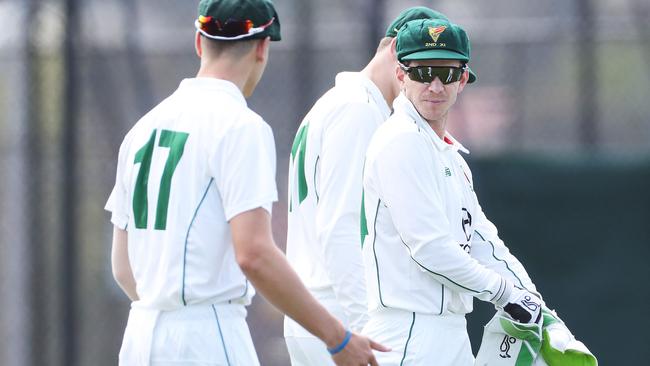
(559, 78)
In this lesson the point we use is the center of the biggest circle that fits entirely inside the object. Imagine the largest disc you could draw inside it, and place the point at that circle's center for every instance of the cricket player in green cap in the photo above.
(429, 248)
(191, 209)
(323, 242)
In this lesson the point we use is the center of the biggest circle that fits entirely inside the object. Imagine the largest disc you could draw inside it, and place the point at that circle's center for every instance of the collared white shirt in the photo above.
(326, 163)
(185, 169)
(422, 219)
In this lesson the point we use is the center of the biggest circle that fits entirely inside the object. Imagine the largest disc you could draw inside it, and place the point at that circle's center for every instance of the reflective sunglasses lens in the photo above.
(207, 25)
(234, 28)
(231, 28)
(426, 74)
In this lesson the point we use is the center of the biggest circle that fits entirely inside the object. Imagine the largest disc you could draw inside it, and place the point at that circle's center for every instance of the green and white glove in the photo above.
(559, 346)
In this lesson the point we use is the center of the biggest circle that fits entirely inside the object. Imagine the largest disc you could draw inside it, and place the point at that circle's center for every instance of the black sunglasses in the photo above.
(427, 74)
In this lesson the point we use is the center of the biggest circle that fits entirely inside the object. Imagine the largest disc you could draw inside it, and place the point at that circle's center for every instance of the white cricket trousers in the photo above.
(303, 347)
(420, 339)
(197, 335)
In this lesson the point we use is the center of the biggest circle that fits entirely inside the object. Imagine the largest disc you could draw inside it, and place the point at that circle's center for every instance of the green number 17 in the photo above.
(175, 141)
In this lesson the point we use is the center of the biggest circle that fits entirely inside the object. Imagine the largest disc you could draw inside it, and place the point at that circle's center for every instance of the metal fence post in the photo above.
(588, 113)
(70, 184)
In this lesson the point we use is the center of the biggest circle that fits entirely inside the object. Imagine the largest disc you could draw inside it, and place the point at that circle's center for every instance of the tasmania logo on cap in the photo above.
(435, 32)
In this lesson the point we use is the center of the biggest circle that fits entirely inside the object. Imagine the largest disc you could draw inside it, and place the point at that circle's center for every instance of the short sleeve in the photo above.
(117, 202)
(243, 166)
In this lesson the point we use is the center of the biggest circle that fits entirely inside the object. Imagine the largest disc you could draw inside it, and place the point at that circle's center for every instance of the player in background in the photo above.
(326, 163)
(191, 208)
(429, 248)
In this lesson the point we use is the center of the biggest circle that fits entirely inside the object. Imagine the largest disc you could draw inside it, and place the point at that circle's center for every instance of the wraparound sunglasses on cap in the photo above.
(229, 30)
(427, 74)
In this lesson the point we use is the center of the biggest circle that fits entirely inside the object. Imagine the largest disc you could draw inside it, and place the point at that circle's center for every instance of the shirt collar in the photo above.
(208, 84)
(403, 105)
(357, 78)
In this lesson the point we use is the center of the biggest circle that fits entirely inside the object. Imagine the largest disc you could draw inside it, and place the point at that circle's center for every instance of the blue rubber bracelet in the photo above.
(340, 347)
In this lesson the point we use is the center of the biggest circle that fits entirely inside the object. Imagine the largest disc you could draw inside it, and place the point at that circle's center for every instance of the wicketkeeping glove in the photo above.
(523, 306)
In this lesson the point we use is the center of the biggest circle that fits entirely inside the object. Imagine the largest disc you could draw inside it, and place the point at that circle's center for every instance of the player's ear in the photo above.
(400, 76)
(262, 49)
(393, 47)
(463, 81)
(197, 44)
(400, 73)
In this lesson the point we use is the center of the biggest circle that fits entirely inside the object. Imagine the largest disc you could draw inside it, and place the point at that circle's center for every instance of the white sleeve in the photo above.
(118, 201)
(490, 251)
(243, 167)
(408, 187)
(344, 145)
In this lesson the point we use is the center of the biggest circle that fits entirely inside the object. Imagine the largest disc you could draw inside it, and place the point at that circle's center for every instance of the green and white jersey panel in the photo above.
(326, 163)
(185, 169)
(420, 211)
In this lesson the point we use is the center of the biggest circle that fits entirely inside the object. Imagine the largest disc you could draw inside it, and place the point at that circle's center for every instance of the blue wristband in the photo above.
(340, 347)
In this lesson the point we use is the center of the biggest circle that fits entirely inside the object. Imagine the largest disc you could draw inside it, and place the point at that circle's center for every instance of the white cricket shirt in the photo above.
(185, 169)
(326, 163)
(423, 222)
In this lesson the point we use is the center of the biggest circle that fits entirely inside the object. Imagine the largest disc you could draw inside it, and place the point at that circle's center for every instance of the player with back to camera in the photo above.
(326, 163)
(429, 247)
(191, 210)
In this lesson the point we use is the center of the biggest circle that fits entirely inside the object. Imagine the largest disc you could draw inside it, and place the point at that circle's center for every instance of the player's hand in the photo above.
(358, 352)
(524, 306)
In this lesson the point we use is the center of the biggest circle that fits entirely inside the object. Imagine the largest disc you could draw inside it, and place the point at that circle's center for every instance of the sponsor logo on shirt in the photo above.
(505, 346)
(447, 172)
(466, 222)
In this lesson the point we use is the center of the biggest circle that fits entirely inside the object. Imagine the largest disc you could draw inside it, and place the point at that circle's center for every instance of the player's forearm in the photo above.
(492, 252)
(120, 263)
(123, 275)
(415, 202)
(272, 276)
(269, 271)
(127, 284)
(437, 253)
(449, 264)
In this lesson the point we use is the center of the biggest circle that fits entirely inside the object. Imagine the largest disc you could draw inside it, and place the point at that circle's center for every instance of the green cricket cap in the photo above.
(261, 13)
(414, 13)
(433, 39)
